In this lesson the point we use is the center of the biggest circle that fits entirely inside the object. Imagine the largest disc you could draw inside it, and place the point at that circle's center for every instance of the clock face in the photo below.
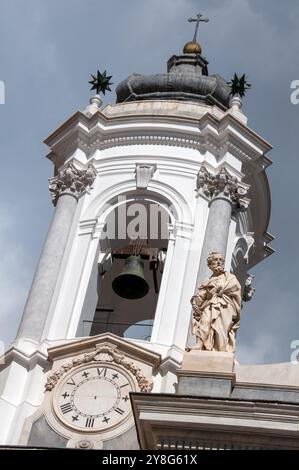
(94, 398)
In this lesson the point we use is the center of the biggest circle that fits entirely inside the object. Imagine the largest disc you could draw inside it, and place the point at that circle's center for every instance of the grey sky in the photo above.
(47, 52)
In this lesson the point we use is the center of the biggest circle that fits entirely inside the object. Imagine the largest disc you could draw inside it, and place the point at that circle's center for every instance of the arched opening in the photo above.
(133, 243)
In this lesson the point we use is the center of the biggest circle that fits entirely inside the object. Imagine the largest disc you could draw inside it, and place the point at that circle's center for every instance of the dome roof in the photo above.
(187, 79)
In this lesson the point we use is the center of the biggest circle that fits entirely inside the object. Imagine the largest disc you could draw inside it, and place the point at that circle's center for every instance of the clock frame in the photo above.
(94, 398)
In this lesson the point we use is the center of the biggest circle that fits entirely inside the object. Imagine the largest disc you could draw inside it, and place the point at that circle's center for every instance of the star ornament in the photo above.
(101, 82)
(239, 85)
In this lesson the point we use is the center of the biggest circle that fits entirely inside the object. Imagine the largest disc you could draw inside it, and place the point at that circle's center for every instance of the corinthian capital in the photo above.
(72, 181)
(222, 184)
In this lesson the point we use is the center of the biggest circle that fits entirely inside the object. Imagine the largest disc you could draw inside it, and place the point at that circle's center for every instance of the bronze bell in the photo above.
(130, 284)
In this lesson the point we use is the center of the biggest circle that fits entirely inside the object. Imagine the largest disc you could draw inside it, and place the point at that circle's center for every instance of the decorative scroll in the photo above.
(103, 353)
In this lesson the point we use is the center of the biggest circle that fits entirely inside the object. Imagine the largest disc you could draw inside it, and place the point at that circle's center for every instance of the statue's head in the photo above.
(216, 262)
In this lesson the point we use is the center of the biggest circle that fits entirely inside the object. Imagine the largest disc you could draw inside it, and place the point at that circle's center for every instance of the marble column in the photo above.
(226, 194)
(66, 188)
(216, 234)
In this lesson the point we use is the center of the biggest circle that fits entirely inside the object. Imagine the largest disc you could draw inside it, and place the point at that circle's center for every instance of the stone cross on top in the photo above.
(199, 18)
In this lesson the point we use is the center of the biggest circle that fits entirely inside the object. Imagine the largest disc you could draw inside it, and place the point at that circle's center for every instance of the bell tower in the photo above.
(144, 189)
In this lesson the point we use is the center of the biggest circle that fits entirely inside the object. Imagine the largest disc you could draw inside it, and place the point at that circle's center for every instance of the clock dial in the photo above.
(94, 398)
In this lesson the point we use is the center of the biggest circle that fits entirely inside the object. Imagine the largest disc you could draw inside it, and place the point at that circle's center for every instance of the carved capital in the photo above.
(71, 180)
(222, 184)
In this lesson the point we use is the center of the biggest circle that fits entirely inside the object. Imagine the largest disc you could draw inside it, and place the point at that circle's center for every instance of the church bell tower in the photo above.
(144, 190)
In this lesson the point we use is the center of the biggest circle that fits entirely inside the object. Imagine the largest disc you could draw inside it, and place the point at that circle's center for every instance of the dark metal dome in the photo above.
(186, 79)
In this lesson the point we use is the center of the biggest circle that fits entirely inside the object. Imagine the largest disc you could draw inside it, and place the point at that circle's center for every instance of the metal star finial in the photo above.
(101, 82)
(239, 85)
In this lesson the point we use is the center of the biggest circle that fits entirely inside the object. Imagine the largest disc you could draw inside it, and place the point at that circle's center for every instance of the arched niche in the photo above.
(149, 218)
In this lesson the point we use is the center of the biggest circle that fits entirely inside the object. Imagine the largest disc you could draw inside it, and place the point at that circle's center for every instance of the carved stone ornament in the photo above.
(71, 180)
(248, 291)
(222, 184)
(249, 239)
(84, 444)
(103, 353)
(144, 173)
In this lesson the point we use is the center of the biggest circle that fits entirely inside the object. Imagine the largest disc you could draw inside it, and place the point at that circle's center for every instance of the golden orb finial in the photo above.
(192, 47)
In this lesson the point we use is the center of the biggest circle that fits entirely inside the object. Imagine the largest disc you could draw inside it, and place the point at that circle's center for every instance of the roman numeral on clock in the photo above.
(71, 382)
(66, 408)
(119, 410)
(89, 423)
(102, 371)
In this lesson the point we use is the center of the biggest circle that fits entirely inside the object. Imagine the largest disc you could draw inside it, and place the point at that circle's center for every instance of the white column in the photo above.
(226, 194)
(65, 188)
(216, 235)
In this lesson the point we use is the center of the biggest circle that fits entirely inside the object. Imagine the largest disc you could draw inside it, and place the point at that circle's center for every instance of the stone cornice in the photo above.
(25, 359)
(218, 134)
(267, 387)
(71, 180)
(220, 375)
(161, 415)
(262, 249)
(194, 405)
(130, 349)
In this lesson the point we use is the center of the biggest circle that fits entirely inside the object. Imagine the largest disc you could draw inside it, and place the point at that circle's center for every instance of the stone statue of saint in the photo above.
(216, 309)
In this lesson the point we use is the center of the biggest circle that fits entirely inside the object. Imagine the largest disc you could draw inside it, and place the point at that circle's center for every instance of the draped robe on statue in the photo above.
(216, 313)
